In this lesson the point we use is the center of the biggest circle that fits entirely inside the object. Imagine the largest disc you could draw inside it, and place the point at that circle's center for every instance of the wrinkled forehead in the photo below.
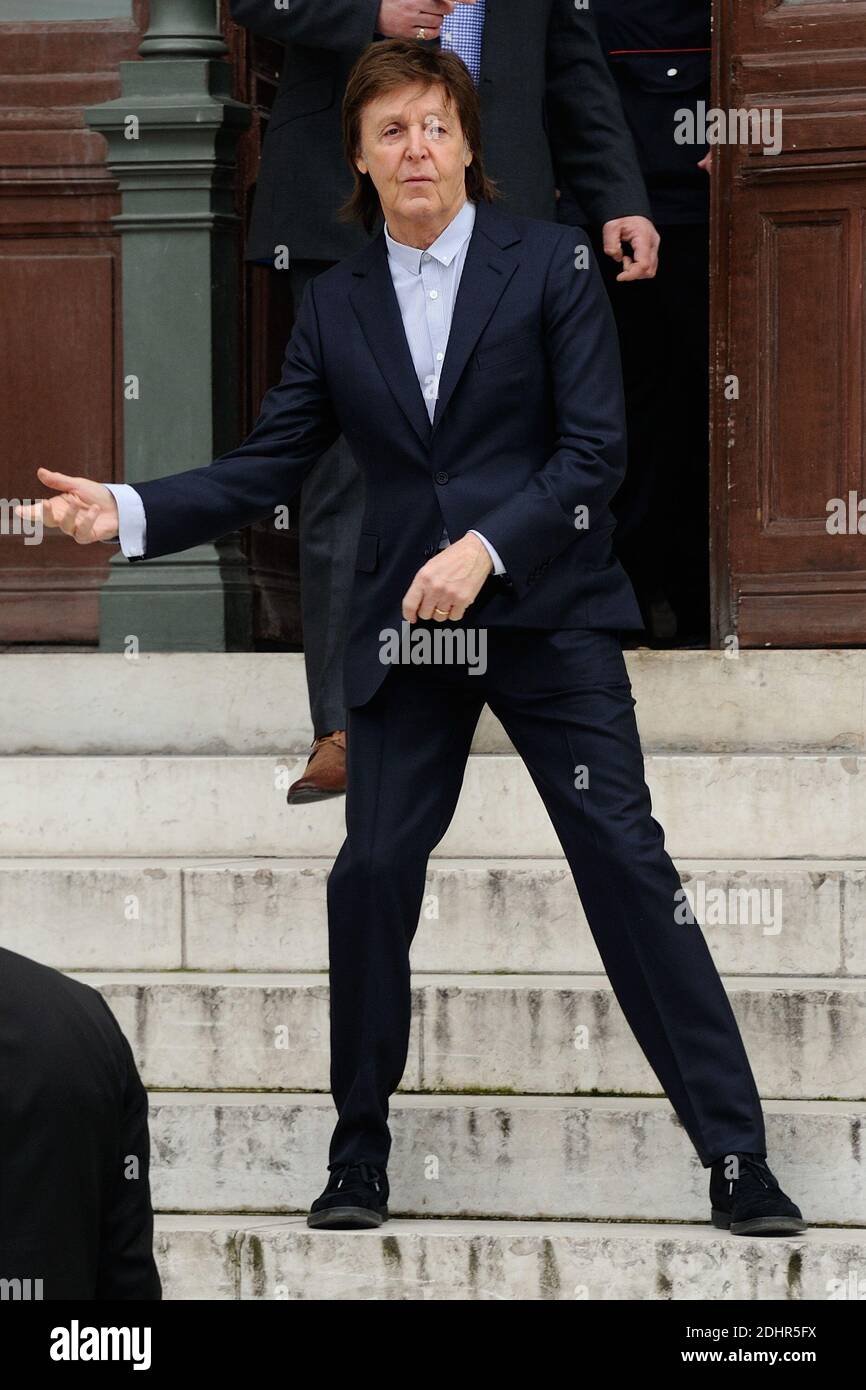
(413, 102)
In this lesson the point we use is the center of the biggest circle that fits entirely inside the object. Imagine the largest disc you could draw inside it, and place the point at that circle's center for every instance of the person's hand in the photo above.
(707, 162)
(85, 510)
(401, 19)
(644, 242)
(449, 582)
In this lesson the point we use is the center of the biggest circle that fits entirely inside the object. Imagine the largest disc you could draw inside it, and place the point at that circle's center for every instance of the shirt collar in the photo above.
(443, 249)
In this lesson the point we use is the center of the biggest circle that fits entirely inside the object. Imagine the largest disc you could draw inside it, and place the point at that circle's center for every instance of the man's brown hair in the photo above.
(393, 63)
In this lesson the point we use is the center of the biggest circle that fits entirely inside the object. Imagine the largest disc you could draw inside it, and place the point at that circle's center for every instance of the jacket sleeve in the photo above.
(335, 24)
(127, 1268)
(587, 466)
(295, 427)
(593, 151)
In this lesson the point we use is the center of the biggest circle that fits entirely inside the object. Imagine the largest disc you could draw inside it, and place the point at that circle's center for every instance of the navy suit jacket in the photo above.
(529, 428)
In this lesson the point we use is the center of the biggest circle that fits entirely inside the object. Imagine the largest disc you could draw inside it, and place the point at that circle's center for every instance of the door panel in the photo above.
(788, 321)
(60, 350)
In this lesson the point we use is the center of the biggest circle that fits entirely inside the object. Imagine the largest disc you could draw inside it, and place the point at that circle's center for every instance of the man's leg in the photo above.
(331, 511)
(332, 507)
(566, 703)
(681, 518)
(638, 309)
(407, 751)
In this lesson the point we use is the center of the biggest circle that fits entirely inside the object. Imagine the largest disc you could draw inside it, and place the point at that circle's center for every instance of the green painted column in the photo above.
(172, 139)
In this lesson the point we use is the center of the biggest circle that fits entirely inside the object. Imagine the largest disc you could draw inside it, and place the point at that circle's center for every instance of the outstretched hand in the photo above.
(85, 510)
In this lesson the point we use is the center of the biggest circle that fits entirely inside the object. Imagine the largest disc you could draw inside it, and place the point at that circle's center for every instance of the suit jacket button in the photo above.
(441, 477)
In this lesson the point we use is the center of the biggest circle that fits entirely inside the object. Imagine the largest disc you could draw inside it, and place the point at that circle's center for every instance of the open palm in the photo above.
(85, 510)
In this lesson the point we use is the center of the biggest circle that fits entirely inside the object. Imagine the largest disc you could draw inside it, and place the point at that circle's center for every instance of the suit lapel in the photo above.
(374, 300)
(486, 272)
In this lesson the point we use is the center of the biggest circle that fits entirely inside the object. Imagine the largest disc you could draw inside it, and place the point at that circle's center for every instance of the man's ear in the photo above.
(361, 164)
(468, 156)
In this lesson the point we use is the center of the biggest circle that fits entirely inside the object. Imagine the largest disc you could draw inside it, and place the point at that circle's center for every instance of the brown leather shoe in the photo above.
(325, 773)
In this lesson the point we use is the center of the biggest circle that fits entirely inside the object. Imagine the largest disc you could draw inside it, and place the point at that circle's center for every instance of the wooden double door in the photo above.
(789, 312)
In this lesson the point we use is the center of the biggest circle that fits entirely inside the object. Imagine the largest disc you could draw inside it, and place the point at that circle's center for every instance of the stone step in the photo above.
(597, 1158)
(199, 702)
(547, 1034)
(718, 806)
(772, 917)
(237, 1257)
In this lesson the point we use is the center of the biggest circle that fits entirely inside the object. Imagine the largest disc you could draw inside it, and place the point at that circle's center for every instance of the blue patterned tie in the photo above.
(462, 31)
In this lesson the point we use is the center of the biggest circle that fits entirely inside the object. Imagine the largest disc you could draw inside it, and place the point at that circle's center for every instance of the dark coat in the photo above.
(73, 1116)
(529, 425)
(659, 55)
(551, 118)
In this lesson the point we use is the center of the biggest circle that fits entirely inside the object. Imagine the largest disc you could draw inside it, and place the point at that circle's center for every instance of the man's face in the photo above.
(414, 149)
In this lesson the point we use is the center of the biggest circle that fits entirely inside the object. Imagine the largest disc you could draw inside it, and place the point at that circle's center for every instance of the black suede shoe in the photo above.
(752, 1204)
(356, 1197)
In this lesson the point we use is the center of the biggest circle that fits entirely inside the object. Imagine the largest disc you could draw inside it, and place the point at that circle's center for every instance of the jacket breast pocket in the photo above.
(515, 349)
(313, 94)
(367, 557)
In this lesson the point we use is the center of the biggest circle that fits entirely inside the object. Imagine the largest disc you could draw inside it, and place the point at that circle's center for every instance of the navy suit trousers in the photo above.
(565, 700)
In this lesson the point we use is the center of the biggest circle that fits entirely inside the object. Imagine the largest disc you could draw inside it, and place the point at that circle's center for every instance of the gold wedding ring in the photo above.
(446, 611)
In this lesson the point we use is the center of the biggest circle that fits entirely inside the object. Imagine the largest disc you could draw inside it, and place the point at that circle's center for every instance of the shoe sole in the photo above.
(760, 1225)
(310, 794)
(347, 1218)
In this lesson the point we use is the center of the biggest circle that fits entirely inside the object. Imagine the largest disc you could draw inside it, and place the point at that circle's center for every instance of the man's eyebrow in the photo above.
(439, 113)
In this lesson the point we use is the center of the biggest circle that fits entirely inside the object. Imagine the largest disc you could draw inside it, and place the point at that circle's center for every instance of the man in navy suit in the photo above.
(470, 358)
(551, 119)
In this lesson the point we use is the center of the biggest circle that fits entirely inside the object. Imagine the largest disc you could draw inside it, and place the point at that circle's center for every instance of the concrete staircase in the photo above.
(148, 848)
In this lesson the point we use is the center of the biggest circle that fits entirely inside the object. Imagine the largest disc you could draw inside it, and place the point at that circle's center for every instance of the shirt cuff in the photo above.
(132, 526)
(498, 567)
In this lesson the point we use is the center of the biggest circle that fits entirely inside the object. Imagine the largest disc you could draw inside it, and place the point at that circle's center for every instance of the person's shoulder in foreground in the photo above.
(28, 980)
(73, 1076)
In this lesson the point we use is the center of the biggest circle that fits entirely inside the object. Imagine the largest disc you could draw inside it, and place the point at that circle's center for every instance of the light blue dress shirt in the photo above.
(426, 284)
